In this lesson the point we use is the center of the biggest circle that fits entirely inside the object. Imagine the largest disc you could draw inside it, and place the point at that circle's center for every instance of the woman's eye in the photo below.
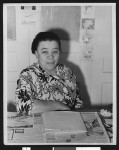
(55, 52)
(45, 52)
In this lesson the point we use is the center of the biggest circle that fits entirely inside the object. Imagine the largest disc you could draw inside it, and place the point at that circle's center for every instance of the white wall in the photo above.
(95, 76)
(101, 88)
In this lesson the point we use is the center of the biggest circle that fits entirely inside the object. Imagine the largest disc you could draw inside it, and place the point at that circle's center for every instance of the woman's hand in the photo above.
(56, 105)
(42, 106)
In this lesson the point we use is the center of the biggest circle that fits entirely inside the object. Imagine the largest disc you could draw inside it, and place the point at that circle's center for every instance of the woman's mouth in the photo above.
(50, 62)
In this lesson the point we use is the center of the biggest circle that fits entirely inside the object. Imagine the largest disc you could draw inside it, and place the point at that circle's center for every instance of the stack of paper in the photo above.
(63, 120)
(63, 126)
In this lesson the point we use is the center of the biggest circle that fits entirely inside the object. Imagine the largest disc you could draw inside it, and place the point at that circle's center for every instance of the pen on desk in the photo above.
(25, 126)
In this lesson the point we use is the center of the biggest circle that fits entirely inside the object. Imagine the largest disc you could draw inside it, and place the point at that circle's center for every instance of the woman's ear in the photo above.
(36, 54)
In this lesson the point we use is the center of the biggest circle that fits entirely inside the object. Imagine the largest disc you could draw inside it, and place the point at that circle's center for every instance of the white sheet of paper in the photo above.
(10, 134)
(63, 120)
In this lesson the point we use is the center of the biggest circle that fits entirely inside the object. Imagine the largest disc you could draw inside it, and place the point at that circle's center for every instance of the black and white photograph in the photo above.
(59, 74)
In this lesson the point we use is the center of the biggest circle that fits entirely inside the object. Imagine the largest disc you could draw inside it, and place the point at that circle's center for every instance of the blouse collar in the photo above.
(43, 70)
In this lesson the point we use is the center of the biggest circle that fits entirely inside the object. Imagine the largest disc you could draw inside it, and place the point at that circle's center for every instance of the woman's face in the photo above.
(48, 54)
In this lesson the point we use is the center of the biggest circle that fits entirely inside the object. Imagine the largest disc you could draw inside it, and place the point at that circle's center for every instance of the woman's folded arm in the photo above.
(51, 105)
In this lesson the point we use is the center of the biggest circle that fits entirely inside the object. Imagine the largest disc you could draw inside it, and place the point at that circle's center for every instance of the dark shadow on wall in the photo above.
(64, 36)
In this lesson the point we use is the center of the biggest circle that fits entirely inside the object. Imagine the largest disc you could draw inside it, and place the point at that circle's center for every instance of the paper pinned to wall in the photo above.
(88, 23)
(88, 12)
(88, 53)
(11, 23)
(87, 32)
(86, 36)
(28, 15)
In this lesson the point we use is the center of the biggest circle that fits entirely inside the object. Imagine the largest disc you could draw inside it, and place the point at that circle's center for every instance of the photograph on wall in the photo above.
(59, 74)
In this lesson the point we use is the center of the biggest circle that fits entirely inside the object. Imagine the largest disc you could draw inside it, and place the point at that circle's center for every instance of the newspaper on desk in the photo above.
(95, 128)
(24, 129)
(16, 125)
(96, 132)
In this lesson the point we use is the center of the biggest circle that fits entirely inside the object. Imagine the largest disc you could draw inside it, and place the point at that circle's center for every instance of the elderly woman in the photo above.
(47, 85)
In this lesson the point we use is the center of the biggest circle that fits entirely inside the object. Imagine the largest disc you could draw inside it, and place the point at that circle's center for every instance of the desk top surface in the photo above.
(30, 130)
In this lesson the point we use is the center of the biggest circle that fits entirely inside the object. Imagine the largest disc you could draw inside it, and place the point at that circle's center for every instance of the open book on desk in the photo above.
(63, 121)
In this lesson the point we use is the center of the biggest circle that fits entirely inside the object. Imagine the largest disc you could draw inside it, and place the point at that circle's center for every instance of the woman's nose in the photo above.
(50, 55)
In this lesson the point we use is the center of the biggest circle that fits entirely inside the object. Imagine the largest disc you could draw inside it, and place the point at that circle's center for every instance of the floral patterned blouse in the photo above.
(35, 83)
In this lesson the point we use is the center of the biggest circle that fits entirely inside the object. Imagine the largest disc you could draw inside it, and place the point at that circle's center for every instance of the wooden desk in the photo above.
(33, 135)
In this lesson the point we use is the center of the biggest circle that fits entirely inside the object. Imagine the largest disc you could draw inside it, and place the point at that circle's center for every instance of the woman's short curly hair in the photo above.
(44, 36)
